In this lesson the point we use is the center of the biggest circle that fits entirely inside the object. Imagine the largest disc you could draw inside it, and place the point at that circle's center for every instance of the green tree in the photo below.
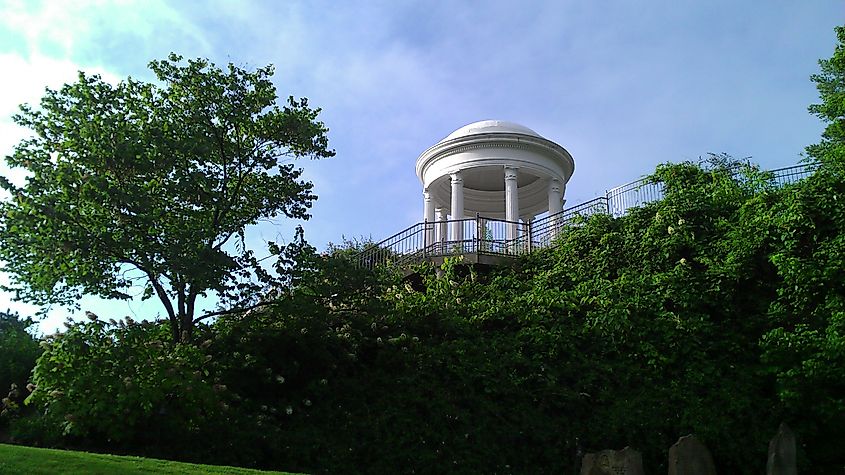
(18, 352)
(155, 183)
(831, 85)
(805, 347)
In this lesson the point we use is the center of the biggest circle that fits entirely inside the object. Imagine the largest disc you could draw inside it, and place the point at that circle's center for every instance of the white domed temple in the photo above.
(492, 169)
(483, 186)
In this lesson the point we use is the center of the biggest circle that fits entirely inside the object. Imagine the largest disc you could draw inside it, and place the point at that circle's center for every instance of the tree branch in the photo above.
(216, 215)
(168, 305)
(234, 310)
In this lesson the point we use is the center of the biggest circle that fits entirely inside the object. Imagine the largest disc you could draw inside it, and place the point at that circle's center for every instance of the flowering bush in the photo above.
(125, 384)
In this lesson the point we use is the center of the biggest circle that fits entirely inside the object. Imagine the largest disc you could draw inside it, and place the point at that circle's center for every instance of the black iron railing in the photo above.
(490, 236)
(793, 174)
(631, 195)
(422, 241)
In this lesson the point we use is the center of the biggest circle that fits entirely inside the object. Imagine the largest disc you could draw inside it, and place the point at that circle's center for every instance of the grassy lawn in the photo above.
(29, 460)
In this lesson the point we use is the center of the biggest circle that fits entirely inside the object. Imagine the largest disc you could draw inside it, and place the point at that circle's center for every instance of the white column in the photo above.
(440, 219)
(555, 204)
(555, 197)
(457, 233)
(511, 202)
(428, 212)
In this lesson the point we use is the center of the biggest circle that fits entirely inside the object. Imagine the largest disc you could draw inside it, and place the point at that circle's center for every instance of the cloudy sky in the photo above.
(622, 85)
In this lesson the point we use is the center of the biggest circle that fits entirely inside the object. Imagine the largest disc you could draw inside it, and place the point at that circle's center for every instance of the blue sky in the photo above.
(623, 85)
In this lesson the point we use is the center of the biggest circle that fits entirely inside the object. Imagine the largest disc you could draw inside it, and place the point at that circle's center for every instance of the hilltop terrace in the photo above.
(496, 241)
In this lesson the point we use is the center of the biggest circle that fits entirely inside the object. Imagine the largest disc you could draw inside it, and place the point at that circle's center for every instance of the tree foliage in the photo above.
(830, 82)
(121, 385)
(18, 352)
(804, 234)
(155, 183)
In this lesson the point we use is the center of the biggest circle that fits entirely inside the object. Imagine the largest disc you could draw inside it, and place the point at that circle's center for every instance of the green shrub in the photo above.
(18, 353)
(126, 386)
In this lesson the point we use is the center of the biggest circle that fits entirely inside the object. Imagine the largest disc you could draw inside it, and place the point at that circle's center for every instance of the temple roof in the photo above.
(491, 127)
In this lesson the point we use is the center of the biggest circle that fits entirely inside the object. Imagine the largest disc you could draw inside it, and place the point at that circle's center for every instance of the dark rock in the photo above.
(690, 457)
(782, 459)
(613, 462)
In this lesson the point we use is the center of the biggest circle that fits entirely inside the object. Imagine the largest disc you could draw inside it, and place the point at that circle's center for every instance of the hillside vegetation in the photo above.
(718, 310)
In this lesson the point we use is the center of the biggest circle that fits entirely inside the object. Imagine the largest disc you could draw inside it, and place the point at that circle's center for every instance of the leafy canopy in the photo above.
(154, 182)
(830, 82)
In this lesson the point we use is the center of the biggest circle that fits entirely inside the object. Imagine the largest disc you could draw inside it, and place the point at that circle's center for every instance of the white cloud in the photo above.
(64, 28)
(54, 25)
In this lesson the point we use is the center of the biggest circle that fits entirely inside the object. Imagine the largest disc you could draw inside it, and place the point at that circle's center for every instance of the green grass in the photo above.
(29, 460)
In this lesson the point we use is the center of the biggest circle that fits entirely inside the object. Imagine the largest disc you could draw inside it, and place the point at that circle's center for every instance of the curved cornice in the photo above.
(493, 140)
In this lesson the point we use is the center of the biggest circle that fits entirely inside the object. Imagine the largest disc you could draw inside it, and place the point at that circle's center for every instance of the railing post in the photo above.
(477, 240)
(425, 238)
(529, 235)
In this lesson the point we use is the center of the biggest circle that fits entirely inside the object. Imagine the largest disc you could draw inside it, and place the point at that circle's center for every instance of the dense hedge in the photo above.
(717, 310)
(18, 351)
(634, 331)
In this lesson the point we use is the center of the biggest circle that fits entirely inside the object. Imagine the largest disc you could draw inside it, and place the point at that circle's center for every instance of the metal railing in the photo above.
(426, 240)
(793, 174)
(490, 236)
(545, 230)
(631, 195)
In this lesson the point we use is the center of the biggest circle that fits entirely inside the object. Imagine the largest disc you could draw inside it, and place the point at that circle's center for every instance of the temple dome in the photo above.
(491, 127)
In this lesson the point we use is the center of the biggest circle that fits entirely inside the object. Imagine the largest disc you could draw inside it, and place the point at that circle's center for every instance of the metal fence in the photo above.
(545, 230)
(630, 195)
(429, 240)
(490, 236)
(793, 174)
